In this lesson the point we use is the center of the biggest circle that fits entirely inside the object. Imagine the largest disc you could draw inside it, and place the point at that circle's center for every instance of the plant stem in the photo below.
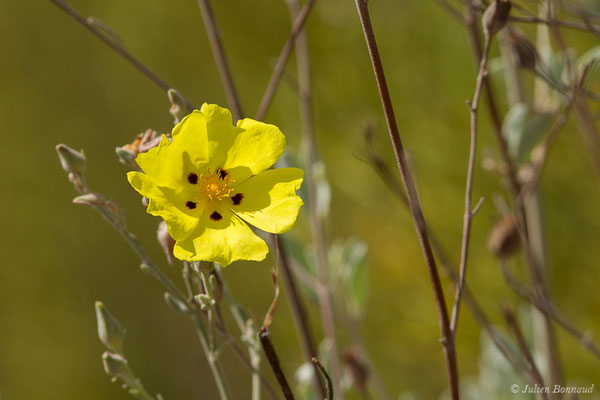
(220, 59)
(323, 371)
(518, 333)
(413, 201)
(134, 243)
(211, 357)
(298, 310)
(492, 105)
(263, 335)
(318, 232)
(112, 41)
(468, 215)
(395, 186)
(282, 60)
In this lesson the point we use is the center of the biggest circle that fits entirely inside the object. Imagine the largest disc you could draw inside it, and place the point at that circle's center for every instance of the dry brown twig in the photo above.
(265, 340)
(413, 201)
(373, 159)
(110, 38)
(214, 38)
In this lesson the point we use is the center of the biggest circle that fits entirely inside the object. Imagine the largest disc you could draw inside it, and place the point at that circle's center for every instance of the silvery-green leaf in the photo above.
(590, 60)
(514, 125)
(323, 189)
(524, 128)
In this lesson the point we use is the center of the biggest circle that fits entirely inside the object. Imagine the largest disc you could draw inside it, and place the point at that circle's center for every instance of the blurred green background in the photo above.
(58, 83)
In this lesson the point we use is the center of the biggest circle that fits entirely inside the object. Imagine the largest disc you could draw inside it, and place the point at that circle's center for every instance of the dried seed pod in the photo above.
(525, 51)
(359, 371)
(504, 240)
(495, 17)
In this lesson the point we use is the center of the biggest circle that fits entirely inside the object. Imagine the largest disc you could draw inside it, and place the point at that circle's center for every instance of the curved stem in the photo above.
(112, 41)
(220, 59)
(413, 200)
(469, 213)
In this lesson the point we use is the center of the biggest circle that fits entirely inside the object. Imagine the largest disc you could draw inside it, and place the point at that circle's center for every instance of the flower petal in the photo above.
(221, 133)
(190, 136)
(268, 200)
(254, 149)
(158, 162)
(223, 241)
(162, 203)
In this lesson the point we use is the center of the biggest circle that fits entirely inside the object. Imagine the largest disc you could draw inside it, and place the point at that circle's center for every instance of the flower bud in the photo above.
(178, 107)
(125, 155)
(204, 300)
(175, 304)
(166, 241)
(495, 17)
(72, 161)
(109, 329)
(78, 181)
(89, 199)
(115, 365)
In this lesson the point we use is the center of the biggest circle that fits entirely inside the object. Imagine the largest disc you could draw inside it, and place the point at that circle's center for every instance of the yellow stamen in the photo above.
(215, 185)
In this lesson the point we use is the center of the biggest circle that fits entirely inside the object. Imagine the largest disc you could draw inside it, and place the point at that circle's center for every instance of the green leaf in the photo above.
(524, 128)
(590, 60)
(348, 263)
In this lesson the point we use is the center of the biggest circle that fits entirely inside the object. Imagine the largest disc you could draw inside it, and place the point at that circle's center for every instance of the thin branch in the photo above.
(395, 186)
(541, 153)
(252, 361)
(413, 200)
(468, 215)
(318, 232)
(509, 165)
(283, 57)
(111, 40)
(214, 38)
(451, 10)
(263, 335)
(545, 305)
(588, 27)
(518, 334)
(323, 371)
(298, 310)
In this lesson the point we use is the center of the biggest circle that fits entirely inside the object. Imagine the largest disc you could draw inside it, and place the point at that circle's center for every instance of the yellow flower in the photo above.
(212, 179)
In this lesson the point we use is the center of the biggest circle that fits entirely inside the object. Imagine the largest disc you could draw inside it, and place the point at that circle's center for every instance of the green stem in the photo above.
(253, 351)
(140, 392)
(153, 269)
(212, 358)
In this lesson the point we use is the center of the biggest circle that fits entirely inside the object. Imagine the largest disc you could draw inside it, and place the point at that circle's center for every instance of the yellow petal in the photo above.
(190, 136)
(268, 200)
(223, 241)
(254, 149)
(157, 163)
(180, 221)
(221, 133)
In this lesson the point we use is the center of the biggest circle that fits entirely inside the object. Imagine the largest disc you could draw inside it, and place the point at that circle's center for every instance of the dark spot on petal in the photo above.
(237, 199)
(222, 173)
(192, 178)
(215, 216)
(191, 205)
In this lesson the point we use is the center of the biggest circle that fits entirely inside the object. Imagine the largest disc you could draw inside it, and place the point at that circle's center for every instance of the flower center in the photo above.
(215, 185)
